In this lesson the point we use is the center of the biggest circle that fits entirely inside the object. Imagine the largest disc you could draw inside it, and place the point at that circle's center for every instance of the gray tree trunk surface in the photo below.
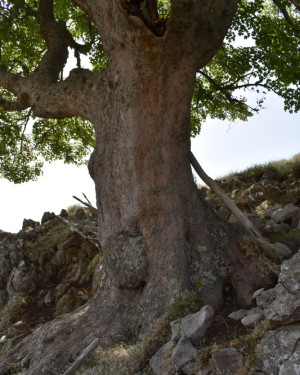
(158, 236)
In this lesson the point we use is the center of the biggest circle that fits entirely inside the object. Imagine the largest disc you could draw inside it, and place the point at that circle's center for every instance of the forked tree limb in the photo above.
(87, 204)
(246, 223)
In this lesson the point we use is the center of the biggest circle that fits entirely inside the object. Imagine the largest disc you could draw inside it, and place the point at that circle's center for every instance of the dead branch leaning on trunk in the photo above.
(246, 223)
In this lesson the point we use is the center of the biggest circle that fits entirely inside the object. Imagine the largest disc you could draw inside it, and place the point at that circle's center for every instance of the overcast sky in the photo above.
(221, 148)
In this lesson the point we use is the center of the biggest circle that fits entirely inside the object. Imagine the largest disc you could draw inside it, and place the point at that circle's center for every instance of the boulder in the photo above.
(194, 326)
(272, 227)
(49, 298)
(175, 328)
(292, 365)
(47, 216)
(285, 213)
(250, 320)
(227, 360)
(29, 223)
(238, 315)
(161, 363)
(184, 355)
(282, 249)
(271, 192)
(22, 279)
(276, 351)
(284, 305)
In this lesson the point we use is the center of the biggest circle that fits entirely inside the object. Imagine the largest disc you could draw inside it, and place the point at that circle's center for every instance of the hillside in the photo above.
(53, 267)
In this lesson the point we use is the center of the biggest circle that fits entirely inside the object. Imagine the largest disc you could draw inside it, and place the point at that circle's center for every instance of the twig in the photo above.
(83, 356)
(89, 205)
(86, 198)
(232, 207)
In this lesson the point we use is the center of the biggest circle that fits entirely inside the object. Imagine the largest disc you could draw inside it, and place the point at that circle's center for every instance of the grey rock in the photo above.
(286, 213)
(227, 361)
(250, 320)
(238, 315)
(161, 363)
(276, 347)
(64, 213)
(257, 293)
(282, 249)
(184, 355)
(254, 310)
(47, 216)
(49, 298)
(18, 323)
(22, 279)
(292, 239)
(261, 301)
(295, 224)
(194, 326)
(2, 339)
(292, 365)
(271, 192)
(59, 258)
(28, 223)
(272, 227)
(284, 303)
(268, 213)
(175, 328)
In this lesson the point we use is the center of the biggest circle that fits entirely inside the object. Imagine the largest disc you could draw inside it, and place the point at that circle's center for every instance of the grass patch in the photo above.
(282, 169)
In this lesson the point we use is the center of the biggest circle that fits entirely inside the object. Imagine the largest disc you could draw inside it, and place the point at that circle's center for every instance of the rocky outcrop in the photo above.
(275, 352)
(46, 270)
(270, 199)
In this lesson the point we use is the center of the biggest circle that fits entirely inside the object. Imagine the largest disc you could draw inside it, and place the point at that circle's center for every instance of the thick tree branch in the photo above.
(13, 106)
(201, 26)
(65, 99)
(54, 34)
(10, 81)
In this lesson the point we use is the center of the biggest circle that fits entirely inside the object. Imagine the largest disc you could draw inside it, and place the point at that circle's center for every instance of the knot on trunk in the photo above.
(125, 261)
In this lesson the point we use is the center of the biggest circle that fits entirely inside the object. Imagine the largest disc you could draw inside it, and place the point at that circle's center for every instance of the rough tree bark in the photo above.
(158, 235)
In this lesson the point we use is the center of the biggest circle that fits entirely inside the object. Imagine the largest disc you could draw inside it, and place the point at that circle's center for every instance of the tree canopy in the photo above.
(260, 53)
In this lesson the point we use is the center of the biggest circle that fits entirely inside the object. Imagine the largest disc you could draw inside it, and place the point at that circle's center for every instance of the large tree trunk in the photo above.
(158, 235)
(152, 225)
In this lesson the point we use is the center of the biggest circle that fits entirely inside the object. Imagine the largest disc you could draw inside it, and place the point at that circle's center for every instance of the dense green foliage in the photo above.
(261, 52)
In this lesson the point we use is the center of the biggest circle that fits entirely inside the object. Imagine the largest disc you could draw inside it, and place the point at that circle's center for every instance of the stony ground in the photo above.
(52, 267)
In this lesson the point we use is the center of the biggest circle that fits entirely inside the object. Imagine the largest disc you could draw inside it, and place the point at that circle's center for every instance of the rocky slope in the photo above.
(53, 267)
(46, 270)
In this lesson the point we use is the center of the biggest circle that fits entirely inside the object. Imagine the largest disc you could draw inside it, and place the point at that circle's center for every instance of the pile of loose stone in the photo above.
(278, 352)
